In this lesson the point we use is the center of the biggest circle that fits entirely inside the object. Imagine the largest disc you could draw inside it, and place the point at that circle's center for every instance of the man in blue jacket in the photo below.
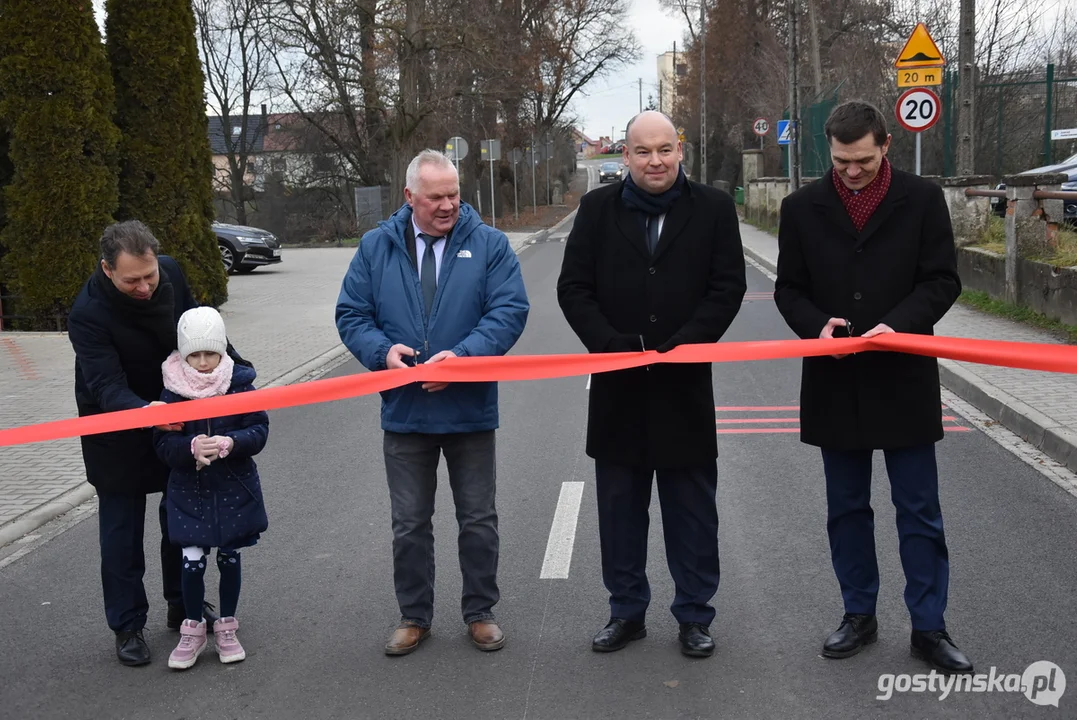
(433, 282)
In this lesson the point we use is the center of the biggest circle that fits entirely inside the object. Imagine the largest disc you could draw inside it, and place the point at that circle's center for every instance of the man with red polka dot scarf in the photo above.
(869, 249)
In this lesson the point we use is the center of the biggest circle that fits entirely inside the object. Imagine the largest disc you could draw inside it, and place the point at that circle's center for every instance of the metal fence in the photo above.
(1015, 115)
(814, 150)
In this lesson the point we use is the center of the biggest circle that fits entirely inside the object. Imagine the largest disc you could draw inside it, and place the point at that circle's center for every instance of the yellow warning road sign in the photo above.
(919, 77)
(919, 51)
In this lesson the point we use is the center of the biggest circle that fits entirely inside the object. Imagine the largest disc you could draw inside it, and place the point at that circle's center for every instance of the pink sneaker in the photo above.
(192, 643)
(228, 647)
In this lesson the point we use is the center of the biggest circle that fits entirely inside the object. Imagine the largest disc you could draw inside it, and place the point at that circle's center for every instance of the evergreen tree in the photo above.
(56, 103)
(166, 169)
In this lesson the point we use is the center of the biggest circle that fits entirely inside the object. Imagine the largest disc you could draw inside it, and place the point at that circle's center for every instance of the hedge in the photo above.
(166, 169)
(56, 101)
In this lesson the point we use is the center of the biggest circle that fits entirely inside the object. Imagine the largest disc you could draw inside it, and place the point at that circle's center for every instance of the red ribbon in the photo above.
(1030, 356)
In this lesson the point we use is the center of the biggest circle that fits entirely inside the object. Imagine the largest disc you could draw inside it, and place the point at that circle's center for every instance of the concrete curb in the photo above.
(1031, 425)
(541, 235)
(1059, 443)
(311, 366)
(32, 520)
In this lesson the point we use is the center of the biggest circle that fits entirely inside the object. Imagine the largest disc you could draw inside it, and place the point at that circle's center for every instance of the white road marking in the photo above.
(1024, 451)
(562, 533)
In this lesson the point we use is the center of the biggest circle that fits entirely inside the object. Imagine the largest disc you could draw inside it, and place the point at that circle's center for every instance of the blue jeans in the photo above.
(914, 489)
(411, 465)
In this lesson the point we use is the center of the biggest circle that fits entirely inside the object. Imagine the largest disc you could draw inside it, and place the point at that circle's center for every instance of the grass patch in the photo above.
(985, 303)
(607, 156)
(1066, 253)
(993, 239)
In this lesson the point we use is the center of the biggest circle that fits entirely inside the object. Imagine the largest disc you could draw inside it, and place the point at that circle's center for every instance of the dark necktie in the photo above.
(652, 232)
(428, 276)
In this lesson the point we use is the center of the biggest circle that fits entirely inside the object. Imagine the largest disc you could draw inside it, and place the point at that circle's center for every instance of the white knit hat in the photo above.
(201, 329)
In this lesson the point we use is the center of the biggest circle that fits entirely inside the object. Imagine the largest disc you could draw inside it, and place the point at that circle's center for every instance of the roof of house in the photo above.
(255, 137)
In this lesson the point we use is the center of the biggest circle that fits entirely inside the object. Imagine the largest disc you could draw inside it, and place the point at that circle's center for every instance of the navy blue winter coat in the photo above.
(220, 505)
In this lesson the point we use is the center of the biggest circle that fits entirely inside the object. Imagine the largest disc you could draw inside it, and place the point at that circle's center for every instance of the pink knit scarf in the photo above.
(187, 382)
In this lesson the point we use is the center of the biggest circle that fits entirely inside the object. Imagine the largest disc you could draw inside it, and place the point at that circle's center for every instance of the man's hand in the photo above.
(166, 428)
(395, 357)
(828, 332)
(436, 386)
(880, 329)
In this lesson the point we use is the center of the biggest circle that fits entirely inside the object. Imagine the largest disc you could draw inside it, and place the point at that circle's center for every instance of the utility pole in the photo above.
(703, 91)
(966, 89)
(641, 94)
(794, 101)
(816, 62)
(661, 104)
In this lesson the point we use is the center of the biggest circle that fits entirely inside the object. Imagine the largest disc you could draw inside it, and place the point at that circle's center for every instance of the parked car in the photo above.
(613, 171)
(1066, 167)
(243, 248)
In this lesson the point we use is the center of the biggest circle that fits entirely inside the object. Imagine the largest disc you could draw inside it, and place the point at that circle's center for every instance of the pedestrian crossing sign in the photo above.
(784, 132)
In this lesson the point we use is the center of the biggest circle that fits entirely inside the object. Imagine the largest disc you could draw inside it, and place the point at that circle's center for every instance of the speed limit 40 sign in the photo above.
(760, 127)
(918, 109)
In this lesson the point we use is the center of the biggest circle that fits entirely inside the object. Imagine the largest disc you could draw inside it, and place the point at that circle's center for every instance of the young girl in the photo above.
(214, 497)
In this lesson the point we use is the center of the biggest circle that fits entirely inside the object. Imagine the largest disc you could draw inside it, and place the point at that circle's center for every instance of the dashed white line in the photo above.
(563, 533)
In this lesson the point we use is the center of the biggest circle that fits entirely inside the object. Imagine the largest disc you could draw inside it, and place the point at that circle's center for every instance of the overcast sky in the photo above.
(613, 101)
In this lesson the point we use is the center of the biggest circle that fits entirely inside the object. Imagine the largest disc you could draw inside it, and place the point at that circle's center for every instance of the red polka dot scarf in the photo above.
(861, 205)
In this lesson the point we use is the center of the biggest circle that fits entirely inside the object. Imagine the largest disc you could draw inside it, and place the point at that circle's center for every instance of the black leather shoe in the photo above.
(131, 648)
(939, 650)
(855, 632)
(617, 634)
(695, 640)
(176, 616)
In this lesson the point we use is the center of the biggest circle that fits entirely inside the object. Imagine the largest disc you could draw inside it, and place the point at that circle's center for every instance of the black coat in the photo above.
(220, 505)
(118, 356)
(615, 295)
(901, 271)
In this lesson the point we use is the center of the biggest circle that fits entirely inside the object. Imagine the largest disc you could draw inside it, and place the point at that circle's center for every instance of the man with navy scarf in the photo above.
(652, 263)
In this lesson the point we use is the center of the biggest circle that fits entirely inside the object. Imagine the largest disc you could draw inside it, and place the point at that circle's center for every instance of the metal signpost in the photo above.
(761, 127)
(456, 148)
(919, 63)
(785, 137)
(491, 151)
(517, 153)
(917, 110)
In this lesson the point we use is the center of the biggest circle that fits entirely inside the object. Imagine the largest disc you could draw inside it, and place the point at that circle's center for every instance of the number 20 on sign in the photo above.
(918, 109)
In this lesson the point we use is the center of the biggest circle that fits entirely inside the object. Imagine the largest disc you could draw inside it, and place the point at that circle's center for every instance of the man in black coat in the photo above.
(651, 263)
(866, 250)
(123, 326)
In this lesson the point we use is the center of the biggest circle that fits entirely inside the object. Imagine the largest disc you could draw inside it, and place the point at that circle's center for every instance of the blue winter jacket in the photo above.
(220, 505)
(479, 309)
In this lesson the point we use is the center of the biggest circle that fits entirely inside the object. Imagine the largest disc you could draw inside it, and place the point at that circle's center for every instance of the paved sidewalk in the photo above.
(280, 318)
(1040, 407)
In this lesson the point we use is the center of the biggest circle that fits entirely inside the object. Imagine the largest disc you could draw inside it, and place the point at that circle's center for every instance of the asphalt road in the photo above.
(318, 605)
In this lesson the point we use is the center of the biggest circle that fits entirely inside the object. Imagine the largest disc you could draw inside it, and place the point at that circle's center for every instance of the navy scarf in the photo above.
(639, 199)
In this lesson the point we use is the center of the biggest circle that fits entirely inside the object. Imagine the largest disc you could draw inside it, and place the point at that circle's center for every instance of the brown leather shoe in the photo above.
(405, 639)
(486, 635)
